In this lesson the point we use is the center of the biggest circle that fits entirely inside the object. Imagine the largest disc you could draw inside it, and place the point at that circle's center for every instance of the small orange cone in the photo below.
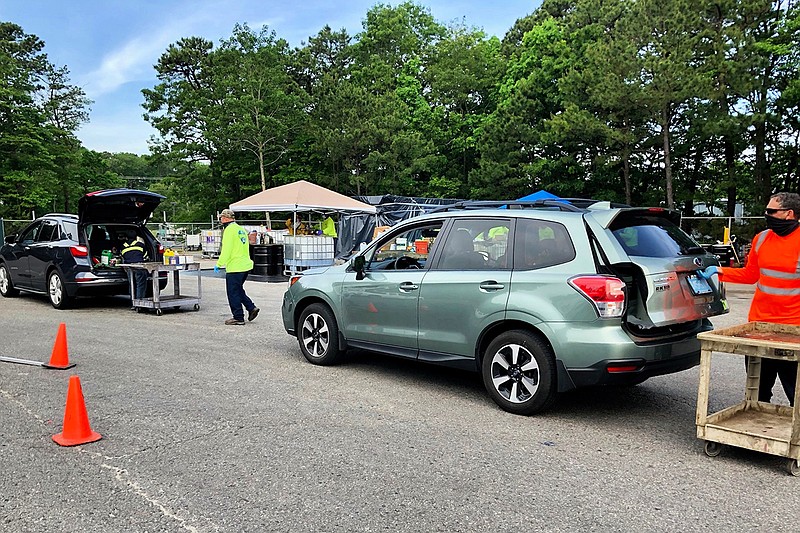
(59, 359)
(76, 428)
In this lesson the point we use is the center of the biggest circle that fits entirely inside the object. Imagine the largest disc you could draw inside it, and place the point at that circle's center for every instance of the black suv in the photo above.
(62, 255)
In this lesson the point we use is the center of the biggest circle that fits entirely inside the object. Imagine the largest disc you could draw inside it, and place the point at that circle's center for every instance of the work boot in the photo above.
(234, 322)
(252, 314)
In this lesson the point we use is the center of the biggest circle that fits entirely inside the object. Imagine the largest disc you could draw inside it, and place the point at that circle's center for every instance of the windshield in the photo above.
(407, 249)
(653, 237)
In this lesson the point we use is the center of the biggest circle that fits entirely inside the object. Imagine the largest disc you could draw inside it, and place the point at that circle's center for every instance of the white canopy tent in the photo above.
(301, 196)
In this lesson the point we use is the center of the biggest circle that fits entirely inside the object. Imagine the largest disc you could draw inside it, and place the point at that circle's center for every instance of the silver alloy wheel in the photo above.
(55, 289)
(315, 336)
(515, 373)
(4, 281)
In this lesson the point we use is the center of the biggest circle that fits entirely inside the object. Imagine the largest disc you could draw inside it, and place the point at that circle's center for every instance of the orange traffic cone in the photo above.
(76, 428)
(59, 359)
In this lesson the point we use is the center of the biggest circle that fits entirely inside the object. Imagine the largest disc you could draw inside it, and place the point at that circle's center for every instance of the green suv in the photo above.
(539, 297)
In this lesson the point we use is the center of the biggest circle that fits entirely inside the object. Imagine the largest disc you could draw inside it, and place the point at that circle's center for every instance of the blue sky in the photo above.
(110, 46)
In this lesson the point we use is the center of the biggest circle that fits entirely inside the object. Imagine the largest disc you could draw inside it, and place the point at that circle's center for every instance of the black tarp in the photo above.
(357, 228)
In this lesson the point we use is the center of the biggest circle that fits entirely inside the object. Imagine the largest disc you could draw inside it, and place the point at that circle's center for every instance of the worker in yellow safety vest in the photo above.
(234, 257)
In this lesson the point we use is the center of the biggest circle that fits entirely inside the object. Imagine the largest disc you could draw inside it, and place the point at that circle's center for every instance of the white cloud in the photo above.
(134, 60)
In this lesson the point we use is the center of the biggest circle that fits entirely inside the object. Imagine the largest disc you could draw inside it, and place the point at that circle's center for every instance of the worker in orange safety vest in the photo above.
(774, 266)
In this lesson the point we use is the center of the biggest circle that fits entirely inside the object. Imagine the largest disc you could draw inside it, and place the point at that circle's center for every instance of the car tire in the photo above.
(318, 335)
(7, 289)
(518, 371)
(56, 291)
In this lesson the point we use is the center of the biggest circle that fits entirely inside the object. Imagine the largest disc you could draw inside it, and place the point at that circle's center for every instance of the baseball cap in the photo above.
(227, 213)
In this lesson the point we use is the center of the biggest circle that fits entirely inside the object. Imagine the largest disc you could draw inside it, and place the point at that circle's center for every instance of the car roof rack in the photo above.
(70, 215)
(562, 204)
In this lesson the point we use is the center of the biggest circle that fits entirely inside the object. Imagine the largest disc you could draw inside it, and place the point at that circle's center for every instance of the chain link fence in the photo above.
(180, 236)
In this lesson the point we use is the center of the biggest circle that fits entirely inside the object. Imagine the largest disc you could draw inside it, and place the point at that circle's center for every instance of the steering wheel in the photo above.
(405, 262)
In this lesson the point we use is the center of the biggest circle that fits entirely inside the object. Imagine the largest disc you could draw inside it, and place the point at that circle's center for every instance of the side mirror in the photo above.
(11, 239)
(358, 265)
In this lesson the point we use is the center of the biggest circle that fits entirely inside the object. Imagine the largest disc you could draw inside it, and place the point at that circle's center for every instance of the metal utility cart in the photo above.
(753, 425)
(159, 302)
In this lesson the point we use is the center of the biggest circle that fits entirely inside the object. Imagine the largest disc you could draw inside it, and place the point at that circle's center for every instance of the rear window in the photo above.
(70, 231)
(540, 244)
(653, 237)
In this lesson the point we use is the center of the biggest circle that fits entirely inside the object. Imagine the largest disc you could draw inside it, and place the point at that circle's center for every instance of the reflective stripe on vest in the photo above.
(760, 240)
(779, 273)
(776, 291)
(132, 248)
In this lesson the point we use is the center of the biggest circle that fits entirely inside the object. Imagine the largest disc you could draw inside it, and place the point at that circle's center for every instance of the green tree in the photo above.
(463, 74)
(23, 137)
(184, 107)
(389, 62)
(262, 108)
(775, 38)
(514, 159)
(603, 117)
(666, 35)
(39, 112)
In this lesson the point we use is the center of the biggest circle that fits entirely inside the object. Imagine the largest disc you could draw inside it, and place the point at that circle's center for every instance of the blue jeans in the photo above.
(139, 283)
(234, 286)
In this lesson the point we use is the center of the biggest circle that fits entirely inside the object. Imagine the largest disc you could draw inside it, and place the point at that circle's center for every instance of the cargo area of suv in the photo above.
(104, 243)
(539, 297)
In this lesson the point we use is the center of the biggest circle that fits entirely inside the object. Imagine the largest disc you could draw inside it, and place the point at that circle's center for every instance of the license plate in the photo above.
(699, 285)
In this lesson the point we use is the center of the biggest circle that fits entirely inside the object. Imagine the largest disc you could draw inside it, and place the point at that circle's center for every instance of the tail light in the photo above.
(293, 280)
(160, 249)
(79, 251)
(607, 293)
(622, 369)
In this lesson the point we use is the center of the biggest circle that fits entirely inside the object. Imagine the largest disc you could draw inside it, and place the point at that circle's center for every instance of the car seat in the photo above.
(460, 254)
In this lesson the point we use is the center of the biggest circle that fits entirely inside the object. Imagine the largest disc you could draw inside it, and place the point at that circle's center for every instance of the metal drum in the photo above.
(274, 259)
(260, 254)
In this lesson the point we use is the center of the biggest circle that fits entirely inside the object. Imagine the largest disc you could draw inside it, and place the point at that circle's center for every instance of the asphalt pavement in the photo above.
(208, 427)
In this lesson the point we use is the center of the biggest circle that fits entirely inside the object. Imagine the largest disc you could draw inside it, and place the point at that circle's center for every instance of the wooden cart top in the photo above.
(755, 338)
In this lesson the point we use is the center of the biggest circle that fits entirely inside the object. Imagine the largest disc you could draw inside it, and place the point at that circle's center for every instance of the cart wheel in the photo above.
(713, 449)
(793, 467)
(196, 307)
(159, 312)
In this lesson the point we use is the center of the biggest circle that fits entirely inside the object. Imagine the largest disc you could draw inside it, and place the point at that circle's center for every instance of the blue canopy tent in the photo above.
(538, 195)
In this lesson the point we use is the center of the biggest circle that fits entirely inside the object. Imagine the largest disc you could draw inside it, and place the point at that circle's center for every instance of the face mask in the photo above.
(780, 226)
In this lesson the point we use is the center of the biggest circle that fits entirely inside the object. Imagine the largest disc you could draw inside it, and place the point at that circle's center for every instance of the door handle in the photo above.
(491, 286)
(408, 286)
